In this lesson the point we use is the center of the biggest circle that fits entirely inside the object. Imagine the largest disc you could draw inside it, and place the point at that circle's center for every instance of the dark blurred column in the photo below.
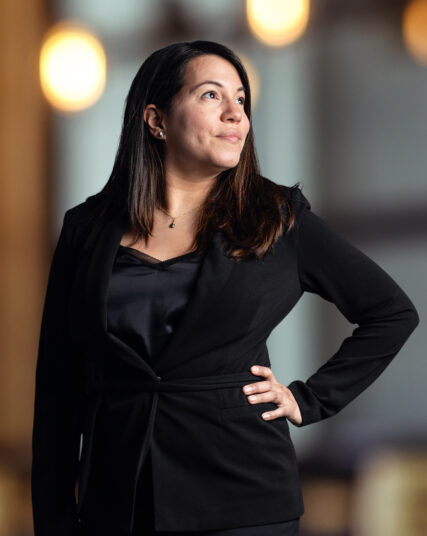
(25, 244)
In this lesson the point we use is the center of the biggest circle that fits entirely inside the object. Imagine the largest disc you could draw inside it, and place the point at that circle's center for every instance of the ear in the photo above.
(153, 116)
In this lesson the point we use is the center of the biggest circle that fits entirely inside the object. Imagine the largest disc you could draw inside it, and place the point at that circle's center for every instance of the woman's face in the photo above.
(202, 115)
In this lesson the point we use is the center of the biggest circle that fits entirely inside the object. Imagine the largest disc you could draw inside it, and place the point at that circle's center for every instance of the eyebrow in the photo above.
(241, 88)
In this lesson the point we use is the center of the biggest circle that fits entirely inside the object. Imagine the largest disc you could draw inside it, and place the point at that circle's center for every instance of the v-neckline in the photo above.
(141, 255)
(100, 250)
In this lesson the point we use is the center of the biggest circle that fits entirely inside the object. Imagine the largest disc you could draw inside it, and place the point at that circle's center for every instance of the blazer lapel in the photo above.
(185, 342)
(213, 275)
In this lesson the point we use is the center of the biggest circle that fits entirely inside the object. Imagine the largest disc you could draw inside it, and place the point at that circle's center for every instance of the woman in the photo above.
(163, 290)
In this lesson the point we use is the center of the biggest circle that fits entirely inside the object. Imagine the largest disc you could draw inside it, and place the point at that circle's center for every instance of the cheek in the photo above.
(196, 128)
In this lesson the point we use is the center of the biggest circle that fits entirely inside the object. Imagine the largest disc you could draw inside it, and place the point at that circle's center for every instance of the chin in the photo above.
(229, 162)
(224, 167)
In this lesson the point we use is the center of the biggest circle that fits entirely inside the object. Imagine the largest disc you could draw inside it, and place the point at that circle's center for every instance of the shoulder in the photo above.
(292, 194)
(85, 212)
(292, 199)
(298, 199)
(300, 204)
(82, 222)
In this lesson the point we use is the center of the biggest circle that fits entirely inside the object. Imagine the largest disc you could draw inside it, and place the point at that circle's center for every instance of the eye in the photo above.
(214, 92)
(207, 92)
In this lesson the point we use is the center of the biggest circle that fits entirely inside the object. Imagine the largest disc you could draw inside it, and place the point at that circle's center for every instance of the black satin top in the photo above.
(147, 296)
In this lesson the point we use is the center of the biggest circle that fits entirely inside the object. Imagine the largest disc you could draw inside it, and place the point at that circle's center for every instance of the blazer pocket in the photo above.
(259, 407)
(233, 397)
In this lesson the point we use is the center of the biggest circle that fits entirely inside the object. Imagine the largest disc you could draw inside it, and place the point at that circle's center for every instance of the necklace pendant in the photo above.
(172, 224)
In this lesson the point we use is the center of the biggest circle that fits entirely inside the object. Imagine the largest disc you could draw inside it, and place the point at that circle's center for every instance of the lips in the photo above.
(233, 139)
(232, 136)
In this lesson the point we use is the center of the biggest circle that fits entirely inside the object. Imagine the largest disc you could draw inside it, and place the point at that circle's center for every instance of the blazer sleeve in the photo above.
(58, 390)
(328, 265)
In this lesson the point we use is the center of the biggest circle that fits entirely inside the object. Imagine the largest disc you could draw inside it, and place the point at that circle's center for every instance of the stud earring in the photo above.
(161, 133)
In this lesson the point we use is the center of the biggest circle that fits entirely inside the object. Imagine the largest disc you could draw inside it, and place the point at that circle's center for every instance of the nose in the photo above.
(232, 110)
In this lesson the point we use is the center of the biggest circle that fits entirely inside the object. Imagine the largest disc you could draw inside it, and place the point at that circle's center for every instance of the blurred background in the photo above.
(340, 104)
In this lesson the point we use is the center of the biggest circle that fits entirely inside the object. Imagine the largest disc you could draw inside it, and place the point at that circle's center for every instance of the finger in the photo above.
(269, 396)
(257, 387)
(273, 414)
(259, 370)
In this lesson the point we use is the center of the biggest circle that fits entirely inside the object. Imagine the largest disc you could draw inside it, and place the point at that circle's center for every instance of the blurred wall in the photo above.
(26, 243)
(24, 211)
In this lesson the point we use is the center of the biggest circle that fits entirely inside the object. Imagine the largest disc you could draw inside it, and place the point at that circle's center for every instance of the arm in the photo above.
(58, 388)
(366, 295)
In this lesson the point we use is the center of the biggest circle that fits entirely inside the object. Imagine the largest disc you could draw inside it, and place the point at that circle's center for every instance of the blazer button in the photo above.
(159, 377)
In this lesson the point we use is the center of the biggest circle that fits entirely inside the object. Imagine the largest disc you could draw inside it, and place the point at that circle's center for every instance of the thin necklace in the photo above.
(172, 224)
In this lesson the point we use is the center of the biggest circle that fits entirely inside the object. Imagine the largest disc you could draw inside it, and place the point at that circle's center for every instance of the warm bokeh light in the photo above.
(253, 78)
(389, 492)
(72, 67)
(277, 22)
(414, 29)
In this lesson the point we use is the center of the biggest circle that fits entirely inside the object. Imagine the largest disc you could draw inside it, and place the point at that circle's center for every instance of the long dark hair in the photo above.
(243, 204)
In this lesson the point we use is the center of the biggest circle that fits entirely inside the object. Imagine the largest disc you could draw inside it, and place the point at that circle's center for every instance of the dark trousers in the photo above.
(144, 518)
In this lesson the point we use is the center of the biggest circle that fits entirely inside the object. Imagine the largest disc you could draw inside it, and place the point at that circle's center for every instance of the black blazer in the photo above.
(216, 462)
